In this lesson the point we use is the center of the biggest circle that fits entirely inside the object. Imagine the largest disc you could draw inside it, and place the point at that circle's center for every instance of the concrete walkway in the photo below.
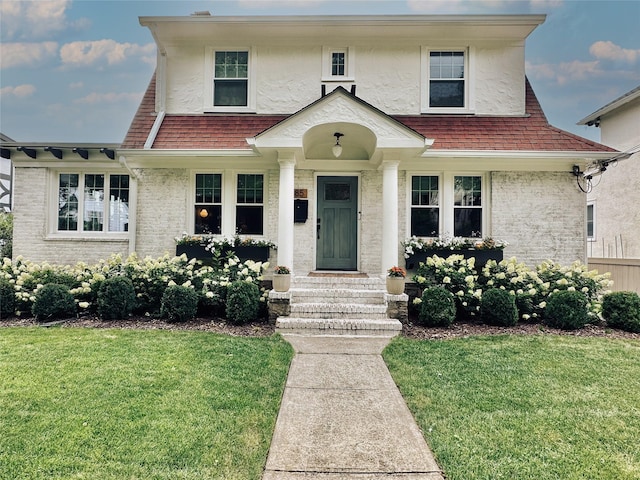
(342, 417)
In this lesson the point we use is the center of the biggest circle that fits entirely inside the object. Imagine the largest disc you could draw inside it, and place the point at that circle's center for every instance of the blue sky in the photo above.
(75, 71)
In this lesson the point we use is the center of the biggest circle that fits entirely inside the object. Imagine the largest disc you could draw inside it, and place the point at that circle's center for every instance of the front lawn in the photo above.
(113, 404)
(525, 407)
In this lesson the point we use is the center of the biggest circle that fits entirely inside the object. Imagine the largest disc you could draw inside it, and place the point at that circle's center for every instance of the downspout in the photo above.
(133, 204)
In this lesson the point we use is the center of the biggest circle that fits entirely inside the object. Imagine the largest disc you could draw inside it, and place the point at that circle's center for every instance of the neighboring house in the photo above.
(439, 133)
(6, 175)
(613, 227)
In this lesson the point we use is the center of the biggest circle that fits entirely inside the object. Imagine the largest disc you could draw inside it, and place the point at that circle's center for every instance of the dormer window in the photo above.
(446, 82)
(231, 79)
(337, 64)
(446, 79)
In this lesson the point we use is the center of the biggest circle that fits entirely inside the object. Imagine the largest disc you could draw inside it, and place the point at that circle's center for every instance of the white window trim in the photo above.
(441, 213)
(191, 223)
(469, 80)
(52, 217)
(229, 200)
(446, 199)
(209, 77)
(591, 203)
(349, 64)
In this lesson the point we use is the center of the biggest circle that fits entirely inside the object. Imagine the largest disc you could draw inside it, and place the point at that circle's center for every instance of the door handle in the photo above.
(318, 228)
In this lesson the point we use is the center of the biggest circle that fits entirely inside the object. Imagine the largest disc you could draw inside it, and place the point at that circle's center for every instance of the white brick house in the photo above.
(440, 132)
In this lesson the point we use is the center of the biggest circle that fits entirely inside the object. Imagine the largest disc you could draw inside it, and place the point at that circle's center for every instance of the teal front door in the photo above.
(337, 223)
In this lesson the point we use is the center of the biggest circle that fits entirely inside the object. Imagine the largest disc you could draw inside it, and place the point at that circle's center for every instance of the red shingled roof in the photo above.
(451, 132)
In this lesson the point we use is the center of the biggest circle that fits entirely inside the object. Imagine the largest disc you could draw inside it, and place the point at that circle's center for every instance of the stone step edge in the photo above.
(289, 323)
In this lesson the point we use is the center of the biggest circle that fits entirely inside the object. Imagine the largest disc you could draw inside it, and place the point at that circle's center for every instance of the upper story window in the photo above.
(93, 202)
(337, 64)
(446, 82)
(446, 79)
(231, 79)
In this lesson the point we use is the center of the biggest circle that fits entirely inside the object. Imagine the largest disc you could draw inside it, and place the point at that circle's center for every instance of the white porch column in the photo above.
(285, 209)
(389, 214)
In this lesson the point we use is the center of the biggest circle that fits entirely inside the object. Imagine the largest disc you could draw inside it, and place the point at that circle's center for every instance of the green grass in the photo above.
(116, 404)
(525, 407)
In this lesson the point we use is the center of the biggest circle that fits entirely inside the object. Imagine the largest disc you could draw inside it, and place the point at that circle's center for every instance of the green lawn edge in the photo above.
(524, 407)
(111, 404)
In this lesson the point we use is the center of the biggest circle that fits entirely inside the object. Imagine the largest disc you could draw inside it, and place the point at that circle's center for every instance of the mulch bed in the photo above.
(263, 329)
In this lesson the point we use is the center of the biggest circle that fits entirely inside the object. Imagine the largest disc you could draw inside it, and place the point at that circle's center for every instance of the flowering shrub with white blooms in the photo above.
(150, 278)
(530, 287)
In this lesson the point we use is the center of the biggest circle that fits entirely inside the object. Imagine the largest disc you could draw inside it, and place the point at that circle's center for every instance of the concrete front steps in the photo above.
(338, 304)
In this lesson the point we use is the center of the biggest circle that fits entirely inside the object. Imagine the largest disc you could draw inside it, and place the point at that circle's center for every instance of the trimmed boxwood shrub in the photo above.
(438, 308)
(498, 307)
(53, 301)
(116, 298)
(622, 310)
(179, 303)
(243, 302)
(7, 298)
(566, 310)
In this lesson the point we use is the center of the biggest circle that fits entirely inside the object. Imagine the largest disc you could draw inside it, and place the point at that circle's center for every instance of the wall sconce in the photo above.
(203, 213)
(337, 148)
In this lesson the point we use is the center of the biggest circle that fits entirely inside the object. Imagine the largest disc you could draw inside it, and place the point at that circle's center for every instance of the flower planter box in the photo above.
(243, 252)
(481, 256)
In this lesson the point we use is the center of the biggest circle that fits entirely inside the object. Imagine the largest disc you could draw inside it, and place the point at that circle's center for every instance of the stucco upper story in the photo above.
(387, 59)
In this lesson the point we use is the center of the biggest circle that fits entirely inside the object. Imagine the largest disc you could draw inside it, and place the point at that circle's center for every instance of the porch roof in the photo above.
(531, 132)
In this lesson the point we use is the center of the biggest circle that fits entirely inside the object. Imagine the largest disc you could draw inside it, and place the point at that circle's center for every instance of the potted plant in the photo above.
(281, 278)
(395, 280)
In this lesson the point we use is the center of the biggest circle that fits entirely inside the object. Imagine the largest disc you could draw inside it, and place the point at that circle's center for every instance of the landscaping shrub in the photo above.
(622, 310)
(53, 301)
(438, 308)
(243, 302)
(7, 299)
(457, 275)
(116, 298)
(498, 307)
(179, 303)
(566, 309)
(6, 234)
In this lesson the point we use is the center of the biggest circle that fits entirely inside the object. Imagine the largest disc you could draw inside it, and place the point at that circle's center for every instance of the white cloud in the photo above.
(21, 91)
(33, 19)
(27, 54)
(96, 98)
(76, 85)
(608, 50)
(577, 71)
(88, 53)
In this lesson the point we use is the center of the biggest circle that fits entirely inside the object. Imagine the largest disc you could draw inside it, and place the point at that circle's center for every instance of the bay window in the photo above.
(93, 202)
